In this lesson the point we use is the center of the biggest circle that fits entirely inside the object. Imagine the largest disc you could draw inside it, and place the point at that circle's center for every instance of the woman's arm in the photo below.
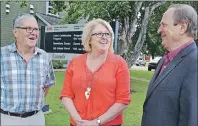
(67, 94)
(69, 106)
(122, 93)
(112, 112)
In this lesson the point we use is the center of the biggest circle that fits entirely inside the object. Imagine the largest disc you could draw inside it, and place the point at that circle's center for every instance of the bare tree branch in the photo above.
(140, 43)
(133, 29)
(156, 6)
(130, 29)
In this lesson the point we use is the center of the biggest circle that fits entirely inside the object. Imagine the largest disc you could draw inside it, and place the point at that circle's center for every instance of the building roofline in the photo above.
(42, 19)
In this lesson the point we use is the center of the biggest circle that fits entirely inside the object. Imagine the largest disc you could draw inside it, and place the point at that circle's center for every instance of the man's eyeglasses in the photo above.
(29, 29)
(100, 34)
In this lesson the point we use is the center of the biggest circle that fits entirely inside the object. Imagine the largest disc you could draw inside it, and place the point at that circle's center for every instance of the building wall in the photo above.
(15, 9)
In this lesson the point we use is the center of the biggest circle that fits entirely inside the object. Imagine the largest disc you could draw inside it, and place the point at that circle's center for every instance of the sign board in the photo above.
(63, 39)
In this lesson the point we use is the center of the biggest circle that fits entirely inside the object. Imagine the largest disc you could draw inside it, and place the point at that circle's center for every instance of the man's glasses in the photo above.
(29, 29)
(100, 34)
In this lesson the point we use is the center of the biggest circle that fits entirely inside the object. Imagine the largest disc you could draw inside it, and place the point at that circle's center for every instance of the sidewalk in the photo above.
(140, 79)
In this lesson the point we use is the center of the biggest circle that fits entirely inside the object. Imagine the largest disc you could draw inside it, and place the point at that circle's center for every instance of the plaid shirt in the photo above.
(23, 84)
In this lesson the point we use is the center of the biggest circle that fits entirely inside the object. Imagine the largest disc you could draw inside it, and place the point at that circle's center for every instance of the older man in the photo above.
(26, 75)
(172, 94)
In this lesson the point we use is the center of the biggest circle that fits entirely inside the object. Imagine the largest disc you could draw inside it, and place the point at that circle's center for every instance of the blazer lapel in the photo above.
(168, 69)
(157, 71)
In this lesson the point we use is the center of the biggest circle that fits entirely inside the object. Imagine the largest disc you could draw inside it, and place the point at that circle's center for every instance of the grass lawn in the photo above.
(142, 74)
(132, 115)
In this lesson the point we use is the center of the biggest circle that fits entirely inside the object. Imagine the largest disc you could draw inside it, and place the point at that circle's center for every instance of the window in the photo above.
(50, 9)
(50, 4)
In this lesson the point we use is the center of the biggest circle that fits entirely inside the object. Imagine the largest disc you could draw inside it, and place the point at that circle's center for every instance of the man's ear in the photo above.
(184, 27)
(15, 32)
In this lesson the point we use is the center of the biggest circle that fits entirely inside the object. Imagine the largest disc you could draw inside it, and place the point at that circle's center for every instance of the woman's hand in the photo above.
(88, 123)
(79, 123)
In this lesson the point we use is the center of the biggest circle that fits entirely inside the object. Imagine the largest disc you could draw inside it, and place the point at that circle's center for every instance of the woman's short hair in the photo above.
(87, 31)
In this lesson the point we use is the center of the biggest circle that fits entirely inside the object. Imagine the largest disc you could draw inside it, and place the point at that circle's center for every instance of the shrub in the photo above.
(57, 64)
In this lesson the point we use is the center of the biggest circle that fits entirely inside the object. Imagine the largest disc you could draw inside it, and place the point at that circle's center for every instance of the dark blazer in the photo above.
(172, 95)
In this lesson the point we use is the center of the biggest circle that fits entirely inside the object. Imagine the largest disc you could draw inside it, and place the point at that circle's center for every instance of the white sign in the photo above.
(64, 28)
(62, 56)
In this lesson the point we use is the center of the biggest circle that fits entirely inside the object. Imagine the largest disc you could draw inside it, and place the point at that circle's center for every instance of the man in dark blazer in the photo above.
(172, 93)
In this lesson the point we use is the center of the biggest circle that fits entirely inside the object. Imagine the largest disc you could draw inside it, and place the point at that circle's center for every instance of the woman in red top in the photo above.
(96, 87)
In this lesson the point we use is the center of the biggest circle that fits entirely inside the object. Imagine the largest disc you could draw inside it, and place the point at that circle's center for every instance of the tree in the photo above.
(133, 18)
(22, 3)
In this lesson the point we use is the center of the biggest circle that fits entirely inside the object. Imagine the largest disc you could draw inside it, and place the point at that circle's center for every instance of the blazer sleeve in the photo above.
(122, 83)
(188, 100)
(67, 85)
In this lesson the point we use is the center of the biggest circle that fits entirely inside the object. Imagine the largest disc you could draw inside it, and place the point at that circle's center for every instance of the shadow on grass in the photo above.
(132, 91)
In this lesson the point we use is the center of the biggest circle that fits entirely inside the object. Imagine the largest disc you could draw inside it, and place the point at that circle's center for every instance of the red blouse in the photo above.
(109, 84)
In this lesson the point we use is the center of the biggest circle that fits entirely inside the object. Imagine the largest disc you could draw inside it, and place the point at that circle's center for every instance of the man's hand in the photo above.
(46, 91)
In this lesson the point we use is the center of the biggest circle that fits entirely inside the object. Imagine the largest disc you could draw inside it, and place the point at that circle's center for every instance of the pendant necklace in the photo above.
(88, 91)
(89, 76)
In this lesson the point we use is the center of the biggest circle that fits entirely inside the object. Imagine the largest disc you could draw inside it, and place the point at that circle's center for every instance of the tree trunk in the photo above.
(128, 30)
(131, 58)
(138, 46)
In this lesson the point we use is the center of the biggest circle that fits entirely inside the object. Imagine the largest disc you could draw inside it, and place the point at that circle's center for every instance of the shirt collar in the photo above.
(172, 54)
(12, 48)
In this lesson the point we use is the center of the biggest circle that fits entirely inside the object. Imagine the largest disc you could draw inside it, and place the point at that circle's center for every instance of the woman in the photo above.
(97, 84)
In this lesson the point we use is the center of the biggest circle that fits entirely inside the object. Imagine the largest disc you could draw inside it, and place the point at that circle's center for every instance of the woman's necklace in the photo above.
(90, 77)
(88, 91)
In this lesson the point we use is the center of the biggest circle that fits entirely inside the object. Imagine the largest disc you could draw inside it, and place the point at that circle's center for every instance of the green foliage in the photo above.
(59, 6)
(6, 1)
(23, 4)
(57, 64)
(107, 10)
(63, 61)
